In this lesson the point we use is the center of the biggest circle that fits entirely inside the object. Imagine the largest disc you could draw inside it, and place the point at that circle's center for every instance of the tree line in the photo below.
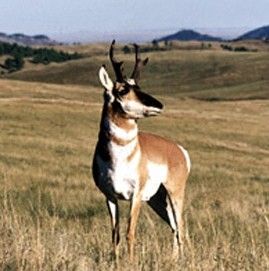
(37, 55)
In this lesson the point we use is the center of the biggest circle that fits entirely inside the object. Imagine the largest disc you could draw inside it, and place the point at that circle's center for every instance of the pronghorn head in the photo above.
(125, 95)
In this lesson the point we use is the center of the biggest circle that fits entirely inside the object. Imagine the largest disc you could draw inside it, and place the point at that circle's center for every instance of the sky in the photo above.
(117, 17)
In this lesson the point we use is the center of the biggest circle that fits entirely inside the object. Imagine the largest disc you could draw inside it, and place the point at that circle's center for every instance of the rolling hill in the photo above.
(261, 33)
(27, 39)
(188, 35)
(210, 75)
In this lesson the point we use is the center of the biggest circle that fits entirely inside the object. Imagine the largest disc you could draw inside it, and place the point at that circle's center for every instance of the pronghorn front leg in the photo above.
(114, 215)
(134, 213)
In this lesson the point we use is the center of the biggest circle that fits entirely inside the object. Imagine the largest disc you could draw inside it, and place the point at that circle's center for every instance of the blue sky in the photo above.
(122, 16)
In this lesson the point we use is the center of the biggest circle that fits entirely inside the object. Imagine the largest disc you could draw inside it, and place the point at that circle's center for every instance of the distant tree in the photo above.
(155, 44)
(226, 47)
(241, 49)
(14, 64)
(237, 49)
(126, 49)
(1, 49)
(28, 51)
(166, 43)
(39, 55)
(45, 56)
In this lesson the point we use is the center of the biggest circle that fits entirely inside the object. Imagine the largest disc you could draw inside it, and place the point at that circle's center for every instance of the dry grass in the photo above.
(53, 218)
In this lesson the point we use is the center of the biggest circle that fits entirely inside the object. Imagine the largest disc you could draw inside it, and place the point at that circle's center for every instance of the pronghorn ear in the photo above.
(105, 79)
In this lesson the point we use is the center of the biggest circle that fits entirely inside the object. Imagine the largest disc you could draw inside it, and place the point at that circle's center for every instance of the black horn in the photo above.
(138, 64)
(116, 64)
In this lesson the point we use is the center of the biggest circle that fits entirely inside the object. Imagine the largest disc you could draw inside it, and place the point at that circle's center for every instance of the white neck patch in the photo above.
(121, 153)
(120, 133)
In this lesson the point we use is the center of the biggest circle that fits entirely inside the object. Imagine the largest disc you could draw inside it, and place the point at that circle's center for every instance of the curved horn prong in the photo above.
(138, 64)
(116, 64)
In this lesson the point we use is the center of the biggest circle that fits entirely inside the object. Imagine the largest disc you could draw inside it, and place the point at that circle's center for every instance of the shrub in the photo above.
(126, 49)
(226, 47)
(14, 64)
(1, 49)
(241, 49)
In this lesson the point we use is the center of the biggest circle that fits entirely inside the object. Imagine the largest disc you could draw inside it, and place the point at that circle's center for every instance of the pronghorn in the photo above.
(137, 166)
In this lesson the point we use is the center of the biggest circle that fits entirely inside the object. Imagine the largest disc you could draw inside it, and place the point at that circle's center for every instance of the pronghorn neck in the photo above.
(115, 128)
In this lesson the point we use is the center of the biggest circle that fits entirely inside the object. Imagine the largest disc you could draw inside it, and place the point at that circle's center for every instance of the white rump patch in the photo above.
(157, 174)
(187, 157)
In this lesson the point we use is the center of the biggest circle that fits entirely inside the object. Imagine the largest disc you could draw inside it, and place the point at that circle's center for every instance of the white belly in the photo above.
(124, 177)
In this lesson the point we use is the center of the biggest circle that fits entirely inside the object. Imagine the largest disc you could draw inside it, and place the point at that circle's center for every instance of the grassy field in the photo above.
(53, 218)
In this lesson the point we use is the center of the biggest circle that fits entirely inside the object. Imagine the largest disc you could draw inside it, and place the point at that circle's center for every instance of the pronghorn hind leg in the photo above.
(113, 209)
(175, 209)
(158, 203)
(170, 210)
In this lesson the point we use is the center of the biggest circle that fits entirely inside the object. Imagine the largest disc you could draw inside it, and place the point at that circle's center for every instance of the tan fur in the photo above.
(162, 151)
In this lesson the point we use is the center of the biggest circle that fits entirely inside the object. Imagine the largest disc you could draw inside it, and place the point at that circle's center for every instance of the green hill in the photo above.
(207, 74)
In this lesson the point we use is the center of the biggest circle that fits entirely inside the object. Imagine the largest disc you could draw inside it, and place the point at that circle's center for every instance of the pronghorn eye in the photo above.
(124, 91)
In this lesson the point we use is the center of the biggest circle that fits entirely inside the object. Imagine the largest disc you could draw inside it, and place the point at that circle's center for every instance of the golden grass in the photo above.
(52, 217)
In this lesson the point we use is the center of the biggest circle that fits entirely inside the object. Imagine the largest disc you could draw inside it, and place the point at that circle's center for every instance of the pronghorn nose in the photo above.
(148, 100)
